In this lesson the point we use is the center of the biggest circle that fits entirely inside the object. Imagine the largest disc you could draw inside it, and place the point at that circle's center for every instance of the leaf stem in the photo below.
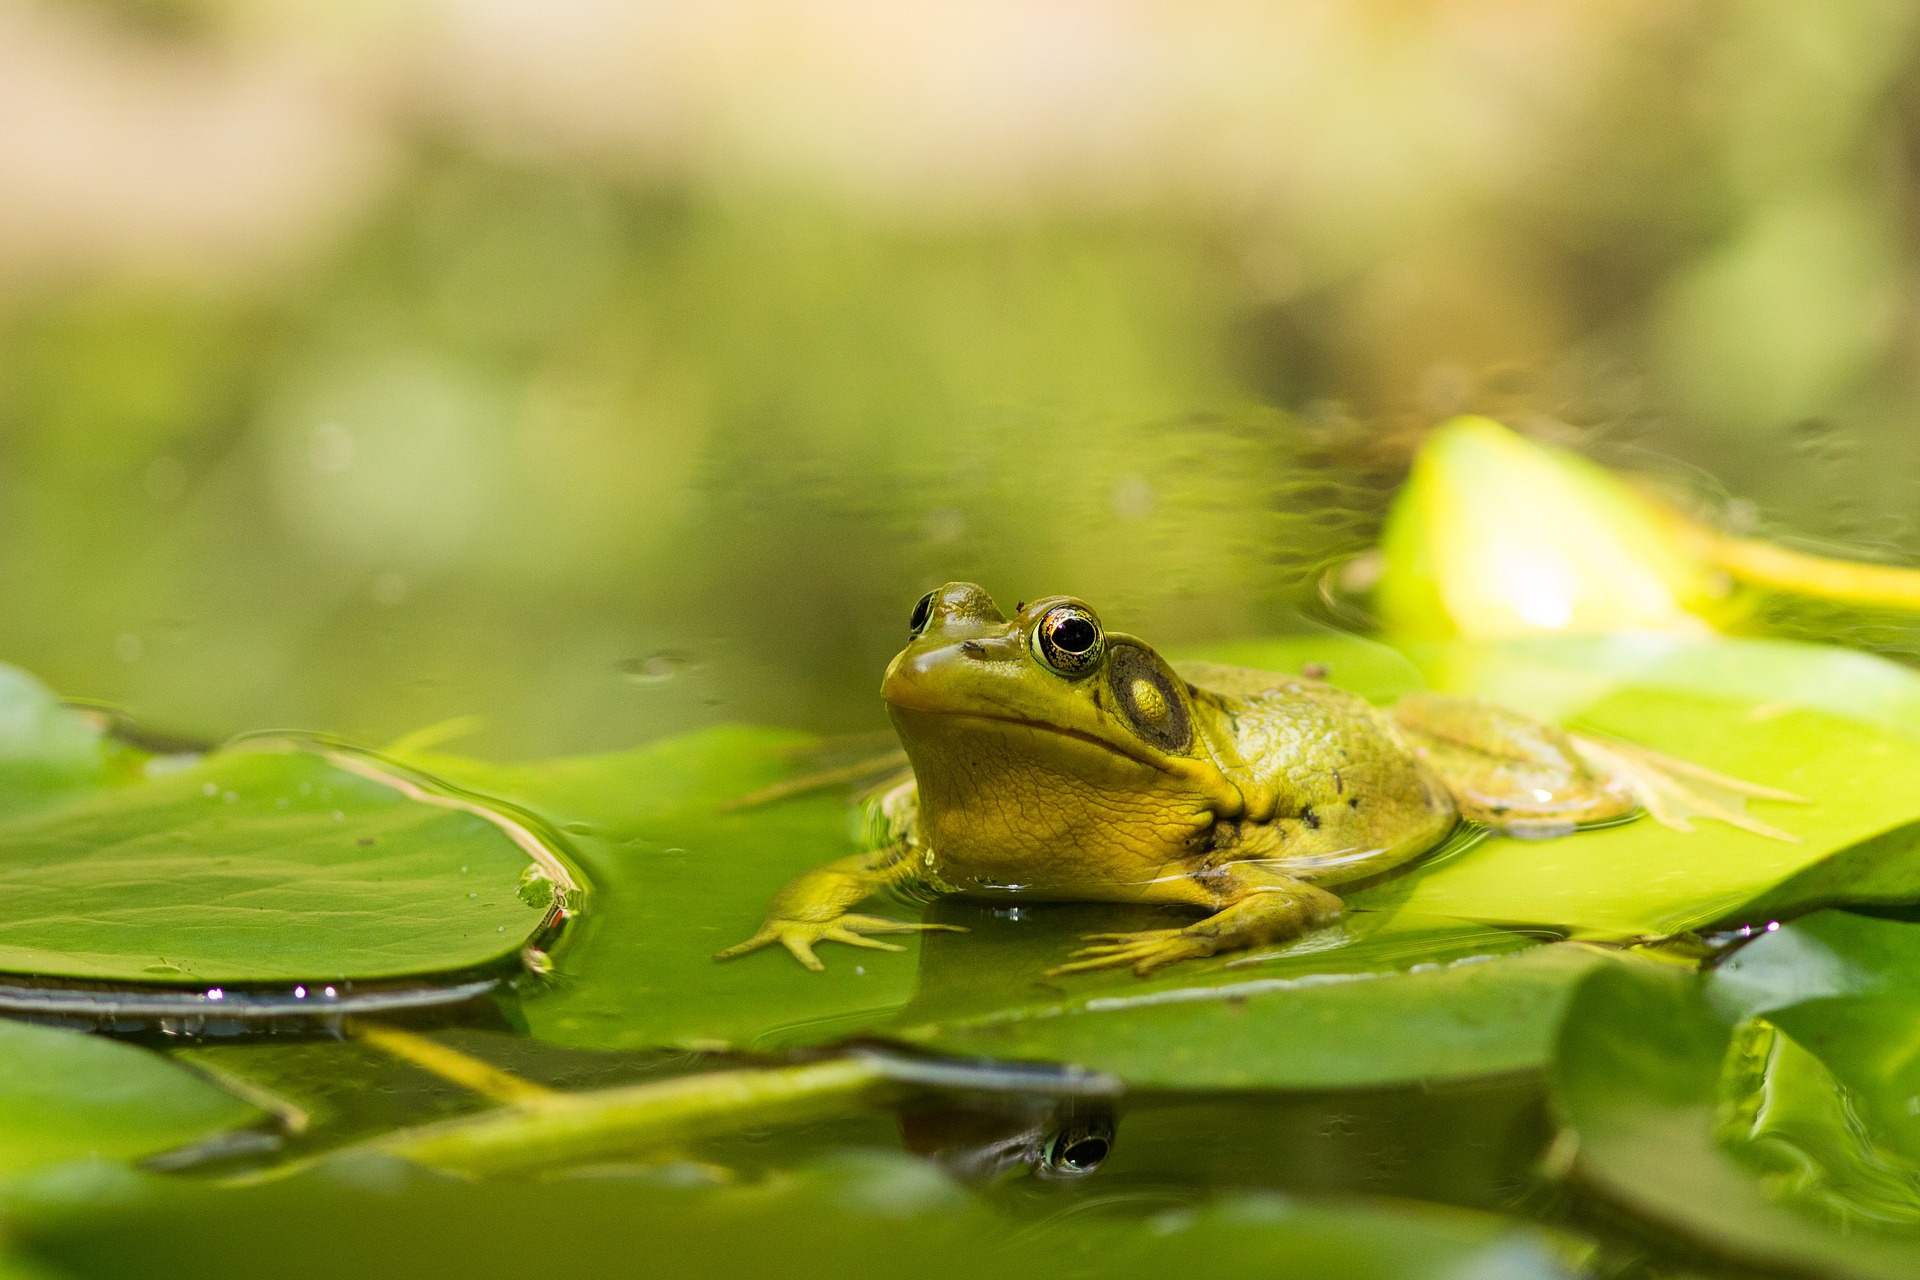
(614, 1124)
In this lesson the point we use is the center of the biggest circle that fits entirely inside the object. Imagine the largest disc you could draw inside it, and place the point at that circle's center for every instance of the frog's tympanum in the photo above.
(1053, 759)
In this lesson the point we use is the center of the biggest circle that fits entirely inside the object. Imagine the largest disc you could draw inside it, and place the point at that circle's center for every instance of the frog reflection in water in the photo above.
(1053, 759)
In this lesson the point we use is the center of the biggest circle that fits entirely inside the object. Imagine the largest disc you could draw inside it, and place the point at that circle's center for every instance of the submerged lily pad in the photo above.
(67, 1096)
(866, 1213)
(265, 866)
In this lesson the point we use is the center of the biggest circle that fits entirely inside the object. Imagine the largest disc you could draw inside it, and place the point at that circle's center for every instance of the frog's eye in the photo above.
(1078, 1147)
(921, 612)
(1067, 638)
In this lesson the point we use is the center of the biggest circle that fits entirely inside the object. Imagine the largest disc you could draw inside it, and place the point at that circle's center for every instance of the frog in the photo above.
(1055, 760)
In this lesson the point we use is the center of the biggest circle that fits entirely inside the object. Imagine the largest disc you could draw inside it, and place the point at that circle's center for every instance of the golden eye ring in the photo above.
(1068, 640)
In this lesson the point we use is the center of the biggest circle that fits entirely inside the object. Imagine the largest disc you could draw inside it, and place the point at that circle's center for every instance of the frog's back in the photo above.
(1344, 781)
(1284, 724)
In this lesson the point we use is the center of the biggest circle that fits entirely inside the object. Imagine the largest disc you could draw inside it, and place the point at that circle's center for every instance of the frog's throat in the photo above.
(1175, 765)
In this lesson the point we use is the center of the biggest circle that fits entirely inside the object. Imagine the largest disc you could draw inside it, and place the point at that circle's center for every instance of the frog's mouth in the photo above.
(1038, 726)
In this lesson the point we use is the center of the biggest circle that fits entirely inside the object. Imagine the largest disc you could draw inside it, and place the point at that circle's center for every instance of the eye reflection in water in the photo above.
(1061, 1141)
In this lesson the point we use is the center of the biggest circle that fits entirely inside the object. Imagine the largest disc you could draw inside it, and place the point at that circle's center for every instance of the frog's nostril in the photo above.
(973, 649)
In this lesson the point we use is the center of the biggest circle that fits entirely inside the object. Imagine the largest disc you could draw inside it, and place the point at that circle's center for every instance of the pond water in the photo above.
(422, 657)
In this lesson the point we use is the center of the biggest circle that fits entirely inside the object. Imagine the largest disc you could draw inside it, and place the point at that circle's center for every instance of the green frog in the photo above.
(1054, 759)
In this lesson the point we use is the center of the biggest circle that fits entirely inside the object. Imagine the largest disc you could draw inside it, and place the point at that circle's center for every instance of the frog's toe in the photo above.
(880, 924)
(1143, 952)
(853, 939)
(799, 936)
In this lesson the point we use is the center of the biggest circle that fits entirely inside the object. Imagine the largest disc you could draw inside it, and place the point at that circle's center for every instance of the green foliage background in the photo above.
(603, 441)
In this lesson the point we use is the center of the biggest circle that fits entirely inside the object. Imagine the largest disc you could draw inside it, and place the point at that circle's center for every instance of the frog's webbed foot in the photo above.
(800, 936)
(1143, 952)
(1672, 790)
(1261, 906)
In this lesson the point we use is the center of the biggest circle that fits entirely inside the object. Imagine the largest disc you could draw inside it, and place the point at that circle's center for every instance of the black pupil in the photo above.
(1085, 1153)
(920, 612)
(1074, 634)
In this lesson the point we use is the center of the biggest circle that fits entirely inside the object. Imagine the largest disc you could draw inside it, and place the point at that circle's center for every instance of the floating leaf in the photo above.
(1332, 1024)
(1842, 986)
(264, 866)
(1795, 725)
(67, 1096)
(1648, 1079)
(1495, 535)
(47, 752)
(677, 881)
(676, 878)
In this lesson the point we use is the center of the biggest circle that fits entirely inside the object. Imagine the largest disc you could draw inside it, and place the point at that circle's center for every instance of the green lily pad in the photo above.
(681, 876)
(1660, 1095)
(1842, 988)
(1790, 716)
(48, 753)
(864, 1212)
(1333, 1024)
(67, 1096)
(677, 878)
(266, 866)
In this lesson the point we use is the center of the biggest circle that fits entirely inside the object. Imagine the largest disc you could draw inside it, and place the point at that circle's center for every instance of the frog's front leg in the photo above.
(1255, 906)
(812, 907)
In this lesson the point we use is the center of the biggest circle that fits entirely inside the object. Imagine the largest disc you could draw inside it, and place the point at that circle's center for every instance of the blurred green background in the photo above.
(600, 369)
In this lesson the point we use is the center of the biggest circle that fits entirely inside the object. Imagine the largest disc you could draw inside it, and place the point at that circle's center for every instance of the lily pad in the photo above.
(1797, 717)
(48, 753)
(867, 1213)
(67, 1096)
(1648, 1078)
(1333, 1024)
(267, 866)
(1842, 987)
(677, 877)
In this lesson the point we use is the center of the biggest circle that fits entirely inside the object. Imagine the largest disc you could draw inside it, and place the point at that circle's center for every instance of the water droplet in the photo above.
(230, 797)
(209, 788)
(944, 524)
(331, 993)
(127, 648)
(1133, 498)
(658, 667)
(390, 588)
(330, 450)
(299, 993)
(339, 816)
(166, 479)
(216, 994)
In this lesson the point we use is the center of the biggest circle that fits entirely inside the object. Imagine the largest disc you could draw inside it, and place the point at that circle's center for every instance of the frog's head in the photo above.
(1043, 724)
(1052, 668)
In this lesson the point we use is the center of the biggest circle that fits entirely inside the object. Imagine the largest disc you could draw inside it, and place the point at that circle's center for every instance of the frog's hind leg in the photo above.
(1673, 790)
(1525, 777)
